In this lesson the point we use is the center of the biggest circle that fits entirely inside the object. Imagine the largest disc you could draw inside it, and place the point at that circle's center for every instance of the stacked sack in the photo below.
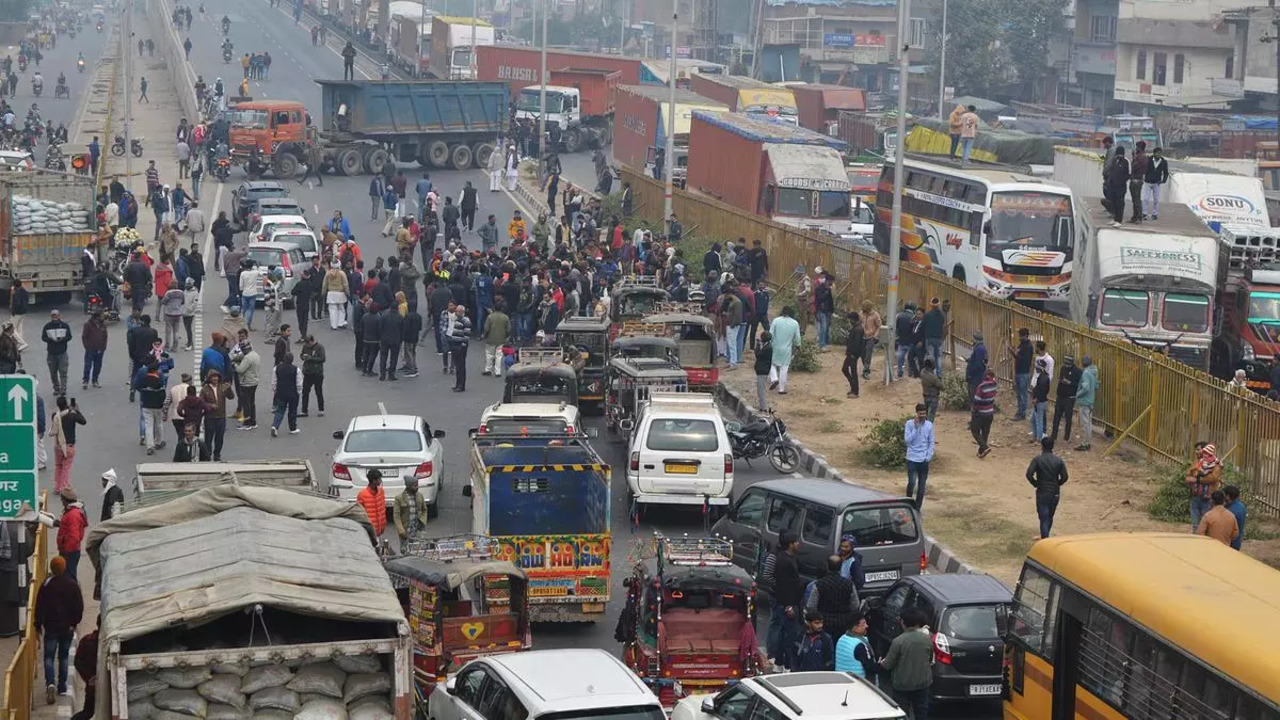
(345, 688)
(32, 216)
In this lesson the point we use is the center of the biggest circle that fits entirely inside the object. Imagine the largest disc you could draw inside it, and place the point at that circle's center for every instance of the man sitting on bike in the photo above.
(226, 24)
(37, 82)
(61, 89)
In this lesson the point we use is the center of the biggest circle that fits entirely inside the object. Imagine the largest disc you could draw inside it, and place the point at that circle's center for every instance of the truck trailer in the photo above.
(756, 98)
(640, 129)
(46, 222)
(519, 66)
(819, 105)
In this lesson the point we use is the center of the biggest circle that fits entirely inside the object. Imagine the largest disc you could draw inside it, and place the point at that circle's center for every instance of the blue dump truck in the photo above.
(545, 499)
(363, 125)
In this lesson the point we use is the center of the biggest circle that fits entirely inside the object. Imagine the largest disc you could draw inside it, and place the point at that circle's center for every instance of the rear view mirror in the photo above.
(466, 491)
(709, 705)
(451, 685)
(337, 434)
(732, 426)
(438, 434)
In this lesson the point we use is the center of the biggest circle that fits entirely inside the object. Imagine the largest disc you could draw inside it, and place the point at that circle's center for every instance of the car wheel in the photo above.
(433, 510)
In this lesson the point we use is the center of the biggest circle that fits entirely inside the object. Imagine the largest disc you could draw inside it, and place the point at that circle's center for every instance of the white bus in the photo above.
(995, 230)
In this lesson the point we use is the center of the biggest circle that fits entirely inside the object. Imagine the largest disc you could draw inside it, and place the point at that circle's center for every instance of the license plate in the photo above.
(596, 608)
(677, 469)
(883, 575)
(984, 689)
(1028, 295)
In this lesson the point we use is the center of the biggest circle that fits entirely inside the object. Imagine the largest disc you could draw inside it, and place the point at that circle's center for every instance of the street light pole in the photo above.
(126, 43)
(669, 149)
(942, 68)
(895, 227)
(542, 96)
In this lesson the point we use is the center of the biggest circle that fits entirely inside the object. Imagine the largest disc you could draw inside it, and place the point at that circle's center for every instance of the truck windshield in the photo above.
(833, 204)
(251, 119)
(1186, 313)
(528, 101)
(1029, 219)
(462, 57)
(1264, 307)
(794, 202)
(1125, 308)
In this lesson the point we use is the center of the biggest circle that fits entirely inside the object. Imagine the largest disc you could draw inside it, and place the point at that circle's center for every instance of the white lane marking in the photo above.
(524, 210)
(382, 408)
(334, 50)
(197, 326)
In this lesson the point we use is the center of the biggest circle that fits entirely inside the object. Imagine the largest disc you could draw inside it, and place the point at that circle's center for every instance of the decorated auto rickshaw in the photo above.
(633, 298)
(695, 335)
(689, 623)
(630, 346)
(629, 381)
(541, 375)
(589, 338)
(461, 604)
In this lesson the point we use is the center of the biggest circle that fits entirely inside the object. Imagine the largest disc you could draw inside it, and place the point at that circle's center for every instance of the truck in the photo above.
(791, 175)
(162, 481)
(1153, 283)
(411, 45)
(580, 104)
(756, 98)
(46, 222)
(819, 105)
(545, 499)
(366, 124)
(451, 46)
(640, 127)
(520, 66)
(230, 590)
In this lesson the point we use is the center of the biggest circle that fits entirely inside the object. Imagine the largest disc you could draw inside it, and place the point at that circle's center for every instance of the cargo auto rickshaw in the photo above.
(630, 380)
(689, 623)
(461, 604)
(696, 337)
(589, 338)
(541, 376)
(634, 298)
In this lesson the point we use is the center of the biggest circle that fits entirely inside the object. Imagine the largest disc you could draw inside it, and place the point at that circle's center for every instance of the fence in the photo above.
(19, 678)
(107, 137)
(1162, 406)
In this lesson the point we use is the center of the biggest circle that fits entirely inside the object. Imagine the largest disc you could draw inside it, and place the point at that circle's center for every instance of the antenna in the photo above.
(845, 702)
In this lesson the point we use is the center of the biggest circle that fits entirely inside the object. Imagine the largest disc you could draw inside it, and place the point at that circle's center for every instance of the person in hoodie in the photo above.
(1065, 401)
(286, 388)
(59, 609)
(976, 369)
(112, 496)
(216, 391)
(1086, 394)
(94, 338)
(72, 527)
(213, 358)
(152, 394)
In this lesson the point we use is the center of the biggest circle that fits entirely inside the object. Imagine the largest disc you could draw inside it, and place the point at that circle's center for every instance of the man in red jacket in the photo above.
(71, 529)
(59, 608)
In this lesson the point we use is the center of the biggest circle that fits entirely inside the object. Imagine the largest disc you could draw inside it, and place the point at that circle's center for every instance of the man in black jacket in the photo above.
(903, 339)
(458, 342)
(390, 335)
(835, 598)
(370, 331)
(191, 448)
(1065, 405)
(286, 387)
(140, 339)
(854, 344)
(1047, 473)
(468, 203)
(302, 293)
(1115, 185)
(449, 215)
(138, 275)
(412, 334)
(788, 600)
(1156, 176)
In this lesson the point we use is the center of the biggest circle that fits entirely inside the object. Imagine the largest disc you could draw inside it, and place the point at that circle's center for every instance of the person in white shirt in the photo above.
(250, 291)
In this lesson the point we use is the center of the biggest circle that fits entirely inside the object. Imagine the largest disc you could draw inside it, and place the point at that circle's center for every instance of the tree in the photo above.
(1028, 34)
(999, 60)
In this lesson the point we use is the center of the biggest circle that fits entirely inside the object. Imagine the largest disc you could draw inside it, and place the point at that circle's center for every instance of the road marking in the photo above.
(331, 49)
(524, 210)
(197, 326)
(382, 408)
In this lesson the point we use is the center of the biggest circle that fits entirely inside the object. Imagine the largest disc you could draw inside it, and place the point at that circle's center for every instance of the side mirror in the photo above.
(593, 433)
(337, 434)
(473, 432)
(709, 705)
(466, 491)
(438, 434)
(451, 685)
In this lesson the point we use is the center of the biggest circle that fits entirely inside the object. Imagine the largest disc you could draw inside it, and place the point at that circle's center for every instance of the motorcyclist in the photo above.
(222, 151)
(226, 24)
(62, 79)
(61, 134)
(80, 61)
(201, 88)
(218, 90)
(37, 84)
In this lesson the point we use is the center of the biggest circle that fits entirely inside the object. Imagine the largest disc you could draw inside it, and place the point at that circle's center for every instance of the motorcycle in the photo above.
(117, 146)
(80, 65)
(22, 64)
(222, 169)
(226, 29)
(135, 146)
(226, 55)
(54, 160)
(61, 91)
(764, 437)
(99, 26)
(37, 88)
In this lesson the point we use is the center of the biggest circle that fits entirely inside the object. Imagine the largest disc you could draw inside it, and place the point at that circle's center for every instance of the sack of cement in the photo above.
(265, 676)
(184, 678)
(359, 663)
(365, 684)
(223, 688)
(275, 698)
(142, 709)
(323, 678)
(142, 684)
(325, 709)
(218, 711)
(187, 702)
(370, 708)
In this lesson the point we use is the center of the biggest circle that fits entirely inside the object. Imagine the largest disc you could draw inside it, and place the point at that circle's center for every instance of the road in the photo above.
(110, 438)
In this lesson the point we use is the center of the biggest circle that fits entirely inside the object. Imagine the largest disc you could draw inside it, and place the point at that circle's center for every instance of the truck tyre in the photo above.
(480, 154)
(423, 157)
(375, 160)
(350, 162)
(572, 139)
(285, 166)
(438, 153)
(460, 157)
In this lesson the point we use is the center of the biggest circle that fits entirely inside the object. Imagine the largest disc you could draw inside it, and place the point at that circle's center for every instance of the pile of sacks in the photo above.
(32, 216)
(345, 688)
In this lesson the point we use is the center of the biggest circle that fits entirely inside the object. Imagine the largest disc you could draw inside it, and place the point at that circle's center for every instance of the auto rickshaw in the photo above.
(541, 375)
(461, 604)
(689, 622)
(696, 337)
(631, 346)
(632, 299)
(589, 337)
(630, 380)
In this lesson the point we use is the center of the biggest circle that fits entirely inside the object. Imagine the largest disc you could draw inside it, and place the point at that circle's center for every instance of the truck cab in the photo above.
(1250, 338)
(563, 105)
(269, 126)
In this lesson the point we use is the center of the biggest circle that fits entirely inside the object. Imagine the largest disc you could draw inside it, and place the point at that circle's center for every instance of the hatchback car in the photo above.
(249, 192)
(401, 446)
(286, 256)
(808, 695)
(966, 614)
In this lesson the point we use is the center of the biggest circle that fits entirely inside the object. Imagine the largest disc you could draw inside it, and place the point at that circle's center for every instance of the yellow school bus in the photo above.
(1148, 626)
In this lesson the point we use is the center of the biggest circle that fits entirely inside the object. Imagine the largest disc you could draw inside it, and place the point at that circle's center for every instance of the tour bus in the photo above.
(1145, 626)
(998, 231)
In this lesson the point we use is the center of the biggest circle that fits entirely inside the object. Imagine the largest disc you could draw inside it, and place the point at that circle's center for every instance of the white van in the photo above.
(680, 453)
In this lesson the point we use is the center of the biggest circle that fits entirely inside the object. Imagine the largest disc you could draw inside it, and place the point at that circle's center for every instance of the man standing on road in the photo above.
(488, 233)
(390, 335)
(785, 332)
(459, 337)
(374, 501)
(496, 159)
(376, 190)
(56, 336)
(247, 366)
(286, 386)
(1137, 172)
(422, 188)
(909, 660)
(1047, 473)
(788, 592)
(348, 61)
(152, 396)
(313, 357)
(1065, 405)
(467, 203)
(918, 435)
(935, 330)
(968, 133)
(497, 331)
(1086, 394)
(409, 511)
(216, 391)
(1156, 176)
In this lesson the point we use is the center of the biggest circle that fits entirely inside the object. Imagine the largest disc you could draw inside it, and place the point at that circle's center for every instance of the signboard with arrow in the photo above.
(18, 470)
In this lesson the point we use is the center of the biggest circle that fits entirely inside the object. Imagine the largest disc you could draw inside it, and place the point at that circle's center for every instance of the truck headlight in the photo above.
(1246, 351)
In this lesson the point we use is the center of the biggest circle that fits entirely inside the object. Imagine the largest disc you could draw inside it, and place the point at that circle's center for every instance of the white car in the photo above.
(264, 225)
(401, 446)
(531, 419)
(304, 238)
(16, 160)
(808, 695)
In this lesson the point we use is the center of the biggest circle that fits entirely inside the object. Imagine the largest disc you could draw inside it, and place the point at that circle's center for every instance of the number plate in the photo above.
(677, 469)
(883, 575)
(979, 690)
(599, 608)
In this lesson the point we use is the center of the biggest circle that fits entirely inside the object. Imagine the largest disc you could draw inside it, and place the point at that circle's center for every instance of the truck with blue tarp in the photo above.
(545, 500)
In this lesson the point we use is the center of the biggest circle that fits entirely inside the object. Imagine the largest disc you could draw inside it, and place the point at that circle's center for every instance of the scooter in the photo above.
(222, 169)
(135, 146)
(117, 146)
(37, 88)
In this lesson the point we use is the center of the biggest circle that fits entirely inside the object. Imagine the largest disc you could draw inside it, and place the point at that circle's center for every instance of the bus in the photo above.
(1000, 232)
(1148, 626)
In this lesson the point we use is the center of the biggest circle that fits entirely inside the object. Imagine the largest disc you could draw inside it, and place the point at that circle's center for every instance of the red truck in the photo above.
(518, 65)
(820, 104)
(640, 122)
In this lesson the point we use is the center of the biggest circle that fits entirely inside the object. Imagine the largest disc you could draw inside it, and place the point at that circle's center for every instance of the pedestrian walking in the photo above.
(369, 337)
(823, 307)
(976, 367)
(854, 345)
(1065, 401)
(313, 358)
(459, 337)
(63, 428)
(1039, 401)
(272, 302)
(496, 161)
(152, 395)
(909, 662)
(1047, 473)
(184, 159)
(303, 290)
(56, 335)
(93, 337)
(930, 387)
(286, 388)
(1115, 182)
(1219, 523)
(1086, 395)
(1023, 355)
(409, 511)
(763, 364)
(142, 87)
(1203, 479)
(731, 314)
(918, 436)
(176, 395)
(467, 205)
(377, 189)
(983, 409)
(59, 609)
(171, 310)
(786, 335)
(336, 289)
(871, 322)
(251, 289)
(903, 334)
(216, 391)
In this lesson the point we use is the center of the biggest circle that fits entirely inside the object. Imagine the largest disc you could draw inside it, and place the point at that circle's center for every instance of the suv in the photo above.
(280, 206)
(886, 528)
(680, 452)
(811, 695)
(249, 192)
(967, 619)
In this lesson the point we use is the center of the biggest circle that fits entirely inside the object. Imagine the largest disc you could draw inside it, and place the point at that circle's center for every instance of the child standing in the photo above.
(816, 651)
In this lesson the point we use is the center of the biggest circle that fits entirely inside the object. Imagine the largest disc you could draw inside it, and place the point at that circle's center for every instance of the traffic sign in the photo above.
(19, 475)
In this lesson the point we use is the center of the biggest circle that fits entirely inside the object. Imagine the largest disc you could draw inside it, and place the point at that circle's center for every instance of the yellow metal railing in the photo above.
(20, 676)
(104, 150)
(1165, 407)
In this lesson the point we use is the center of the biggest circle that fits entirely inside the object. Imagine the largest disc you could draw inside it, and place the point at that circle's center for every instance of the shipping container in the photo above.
(451, 39)
(518, 66)
(820, 105)
(640, 121)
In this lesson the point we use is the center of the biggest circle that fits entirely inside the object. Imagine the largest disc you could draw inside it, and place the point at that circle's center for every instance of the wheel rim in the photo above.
(461, 157)
(351, 163)
(785, 457)
(438, 151)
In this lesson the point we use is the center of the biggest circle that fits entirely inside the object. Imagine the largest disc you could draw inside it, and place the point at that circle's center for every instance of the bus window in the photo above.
(1104, 655)
(1027, 218)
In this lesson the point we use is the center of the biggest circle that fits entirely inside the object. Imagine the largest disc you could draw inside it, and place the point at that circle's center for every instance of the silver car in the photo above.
(401, 446)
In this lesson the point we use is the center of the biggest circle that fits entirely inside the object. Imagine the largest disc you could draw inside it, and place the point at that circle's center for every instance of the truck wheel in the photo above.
(350, 162)
(438, 153)
(460, 157)
(375, 160)
(285, 166)
(480, 154)
(423, 157)
(572, 140)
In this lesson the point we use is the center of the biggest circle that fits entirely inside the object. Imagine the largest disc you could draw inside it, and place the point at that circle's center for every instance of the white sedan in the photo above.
(401, 446)
(262, 228)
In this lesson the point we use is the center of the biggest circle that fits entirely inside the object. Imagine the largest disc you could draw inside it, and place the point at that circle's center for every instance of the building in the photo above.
(1093, 55)
(1175, 55)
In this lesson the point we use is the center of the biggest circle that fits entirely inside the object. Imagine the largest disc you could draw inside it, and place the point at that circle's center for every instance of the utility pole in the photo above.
(422, 31)
(942, 68)
(668, 162)
(542, 96)
(895, 227)
(757, 36)
(471, 64)
(126, 43)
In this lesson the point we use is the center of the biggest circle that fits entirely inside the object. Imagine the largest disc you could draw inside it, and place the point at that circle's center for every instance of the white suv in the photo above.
(680, 452)
(792, 696)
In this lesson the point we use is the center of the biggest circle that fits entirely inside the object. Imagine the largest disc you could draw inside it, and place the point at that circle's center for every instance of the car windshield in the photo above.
(1264, 307)
(609, 713)
(383, 440)
(1029, 219)
(277, 209)
(1186, 313)
(880, 525)
(863, 214)
(251, 119)
(255, 194)
(1125, 308)
(682, 435)
(973, 622)
(541, 386)
(526, 426)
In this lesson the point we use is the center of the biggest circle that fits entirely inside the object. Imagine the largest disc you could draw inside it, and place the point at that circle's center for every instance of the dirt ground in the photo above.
(983, 509)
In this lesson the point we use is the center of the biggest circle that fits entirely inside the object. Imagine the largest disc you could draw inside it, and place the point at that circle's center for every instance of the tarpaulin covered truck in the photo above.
(237, 601)
(756, 98)
(46, 221)
(640, 126)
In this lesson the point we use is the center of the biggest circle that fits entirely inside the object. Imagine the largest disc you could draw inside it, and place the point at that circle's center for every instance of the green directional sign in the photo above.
(19, 476)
